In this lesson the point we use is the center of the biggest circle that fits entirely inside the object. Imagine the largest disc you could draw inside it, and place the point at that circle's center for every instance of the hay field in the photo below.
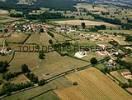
(3, 12)
(92, 85)
(31, 59)
(16, 37)
(41, 39)
(54, 64)
(87, 22)
(89, 7)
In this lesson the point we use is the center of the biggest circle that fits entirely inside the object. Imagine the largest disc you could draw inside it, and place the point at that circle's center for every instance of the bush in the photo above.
(41, 82)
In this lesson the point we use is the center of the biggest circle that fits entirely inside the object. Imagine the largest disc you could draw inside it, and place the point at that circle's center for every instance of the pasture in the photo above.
(54, 64)
(117, 75)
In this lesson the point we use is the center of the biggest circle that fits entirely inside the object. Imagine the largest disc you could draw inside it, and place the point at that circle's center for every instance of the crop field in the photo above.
(31, 59)
(6, 58)
(54, 64)
(116, 31)
(16, 37)
(89, 7)
(6, 19)
(3, 12)
(128, 59)
(40, 93)
(91, 82)
(41, 39)
(87, 22)
(59, 37)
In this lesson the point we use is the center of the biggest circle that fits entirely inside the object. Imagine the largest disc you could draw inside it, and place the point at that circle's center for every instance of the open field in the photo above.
(87, 22)
(3, 12)
(16, 37)
(54, 64)
(128, 59)
(116, 31)
(41, 93)
(20, 79)
(31, 59)
(41, 39)
(6, 58)
(92, 85)
(90, 7)
(119, 77)
(4, 19)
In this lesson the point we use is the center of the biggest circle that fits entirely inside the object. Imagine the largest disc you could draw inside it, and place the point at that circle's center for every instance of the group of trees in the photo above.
(7, 88)
(3, 66)
(8, 76)
(32, 77)
(41, 54)
(96, 28)
(44, 16)
(50, 34)
(127, 65)
(94, 61)
(14, 13)
(128, 38)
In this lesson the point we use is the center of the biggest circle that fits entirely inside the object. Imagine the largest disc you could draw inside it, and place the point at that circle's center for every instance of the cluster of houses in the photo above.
(26, 27)
(127, 74)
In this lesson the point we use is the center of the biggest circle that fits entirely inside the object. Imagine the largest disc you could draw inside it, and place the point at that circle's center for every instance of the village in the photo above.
(58, 55)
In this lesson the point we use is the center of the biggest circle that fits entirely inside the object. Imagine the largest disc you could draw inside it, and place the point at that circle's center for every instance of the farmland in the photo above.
(87, 80)
(88, 23)
(83, 52)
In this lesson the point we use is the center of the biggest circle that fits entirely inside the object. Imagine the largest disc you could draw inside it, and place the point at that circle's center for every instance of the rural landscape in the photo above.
(65, 49)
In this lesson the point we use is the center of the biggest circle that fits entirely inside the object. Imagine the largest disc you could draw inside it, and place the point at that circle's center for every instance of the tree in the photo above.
(41, 82)
(6, 30)
(83, 25)
(41, 30)
(25, 68)
(93, 61)
(41, 54)
(50, 41)
(3, 66)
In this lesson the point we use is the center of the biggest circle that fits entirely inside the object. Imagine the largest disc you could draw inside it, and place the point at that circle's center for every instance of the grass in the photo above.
(41, 39)
(119, 77)
(54, 64)
(47, 96)
(87, 22)
(19, 79)
(42, 93)
(31, 59)
(16, 37)
(92, 85)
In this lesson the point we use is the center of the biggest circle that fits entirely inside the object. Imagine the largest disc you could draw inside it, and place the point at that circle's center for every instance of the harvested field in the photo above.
(87, 22)
(3, 12)
(92, 85)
